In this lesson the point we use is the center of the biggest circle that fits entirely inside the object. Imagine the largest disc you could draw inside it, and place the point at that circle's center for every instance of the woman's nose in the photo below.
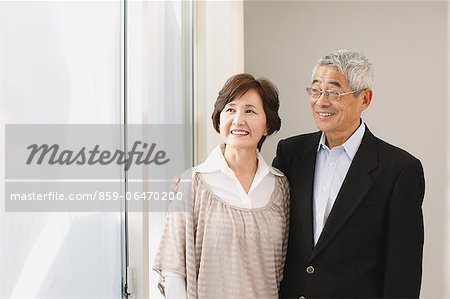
(238, 119)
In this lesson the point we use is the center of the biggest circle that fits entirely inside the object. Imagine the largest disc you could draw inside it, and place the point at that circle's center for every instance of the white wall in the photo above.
(219, 53)
(407, 44)
(446, 178)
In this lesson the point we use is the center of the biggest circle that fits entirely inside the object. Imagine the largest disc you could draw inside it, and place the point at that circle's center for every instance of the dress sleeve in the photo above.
(286, 206)
(171, 253)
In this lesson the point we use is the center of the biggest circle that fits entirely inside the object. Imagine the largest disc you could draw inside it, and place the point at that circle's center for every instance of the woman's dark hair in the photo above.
(238, 85)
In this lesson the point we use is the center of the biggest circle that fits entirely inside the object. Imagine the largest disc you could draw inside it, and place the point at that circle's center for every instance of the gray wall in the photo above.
(407, 44)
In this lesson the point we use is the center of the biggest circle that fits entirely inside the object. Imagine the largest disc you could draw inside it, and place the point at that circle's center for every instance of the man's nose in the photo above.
(323, 100)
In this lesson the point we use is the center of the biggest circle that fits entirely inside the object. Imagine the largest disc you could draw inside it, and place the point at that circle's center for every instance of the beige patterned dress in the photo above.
(226, 251)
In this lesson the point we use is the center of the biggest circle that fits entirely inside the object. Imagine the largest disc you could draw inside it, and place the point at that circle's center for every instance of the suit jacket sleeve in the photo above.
(405, 234)
(278, 161)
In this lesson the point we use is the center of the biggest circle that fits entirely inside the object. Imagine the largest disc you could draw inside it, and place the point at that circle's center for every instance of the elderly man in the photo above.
(356, 226)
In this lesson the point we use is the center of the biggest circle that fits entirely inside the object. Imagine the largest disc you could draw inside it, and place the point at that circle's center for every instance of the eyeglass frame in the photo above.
(327, 91)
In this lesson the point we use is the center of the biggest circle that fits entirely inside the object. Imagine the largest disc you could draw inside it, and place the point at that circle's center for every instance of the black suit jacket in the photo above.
(371, 245)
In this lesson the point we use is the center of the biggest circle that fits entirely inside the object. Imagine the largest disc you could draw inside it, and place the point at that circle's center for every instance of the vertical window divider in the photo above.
(126, 291)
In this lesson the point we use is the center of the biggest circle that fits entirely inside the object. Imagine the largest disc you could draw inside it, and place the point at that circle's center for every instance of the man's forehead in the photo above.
(329, 76)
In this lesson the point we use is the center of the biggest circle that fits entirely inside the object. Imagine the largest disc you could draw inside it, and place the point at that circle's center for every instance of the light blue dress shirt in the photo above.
(331, 168)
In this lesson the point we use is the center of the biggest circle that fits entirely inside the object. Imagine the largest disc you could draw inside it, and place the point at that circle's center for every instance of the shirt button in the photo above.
(310, 270)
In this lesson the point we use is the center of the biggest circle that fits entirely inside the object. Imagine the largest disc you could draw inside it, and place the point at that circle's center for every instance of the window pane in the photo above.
(159, 85)
(60, 63)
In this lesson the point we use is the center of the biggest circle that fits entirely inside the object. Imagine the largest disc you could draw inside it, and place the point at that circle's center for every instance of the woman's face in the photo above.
(243, 121)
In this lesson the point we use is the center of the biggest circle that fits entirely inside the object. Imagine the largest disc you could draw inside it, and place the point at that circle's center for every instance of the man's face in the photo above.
(337, 119)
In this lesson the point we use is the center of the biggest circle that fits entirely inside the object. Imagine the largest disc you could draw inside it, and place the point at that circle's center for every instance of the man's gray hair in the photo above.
(353, 65)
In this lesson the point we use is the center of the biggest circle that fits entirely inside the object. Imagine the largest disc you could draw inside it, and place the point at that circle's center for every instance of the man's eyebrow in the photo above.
(335, 83)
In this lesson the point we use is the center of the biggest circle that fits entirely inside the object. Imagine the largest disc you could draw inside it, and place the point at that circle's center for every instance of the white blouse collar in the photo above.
(216, 161)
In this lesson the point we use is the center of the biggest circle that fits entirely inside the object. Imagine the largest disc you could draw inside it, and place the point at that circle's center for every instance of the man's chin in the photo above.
(323, 127)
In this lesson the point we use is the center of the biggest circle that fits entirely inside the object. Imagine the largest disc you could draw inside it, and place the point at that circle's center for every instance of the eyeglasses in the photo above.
(330, 95)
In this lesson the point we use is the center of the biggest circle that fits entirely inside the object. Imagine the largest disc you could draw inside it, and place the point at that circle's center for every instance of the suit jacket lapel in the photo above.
(305, 185)
(354, 188)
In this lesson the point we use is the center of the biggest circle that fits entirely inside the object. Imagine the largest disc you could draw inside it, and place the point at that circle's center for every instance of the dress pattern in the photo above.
(226, 251)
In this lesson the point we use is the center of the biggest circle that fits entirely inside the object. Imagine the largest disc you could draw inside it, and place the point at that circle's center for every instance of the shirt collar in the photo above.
(216, 161)
(351, 145)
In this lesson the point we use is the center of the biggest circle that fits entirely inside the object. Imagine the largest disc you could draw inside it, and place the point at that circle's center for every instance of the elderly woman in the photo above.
(231, 242)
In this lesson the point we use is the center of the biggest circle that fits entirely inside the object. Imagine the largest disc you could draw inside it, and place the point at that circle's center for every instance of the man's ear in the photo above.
(366, 98)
